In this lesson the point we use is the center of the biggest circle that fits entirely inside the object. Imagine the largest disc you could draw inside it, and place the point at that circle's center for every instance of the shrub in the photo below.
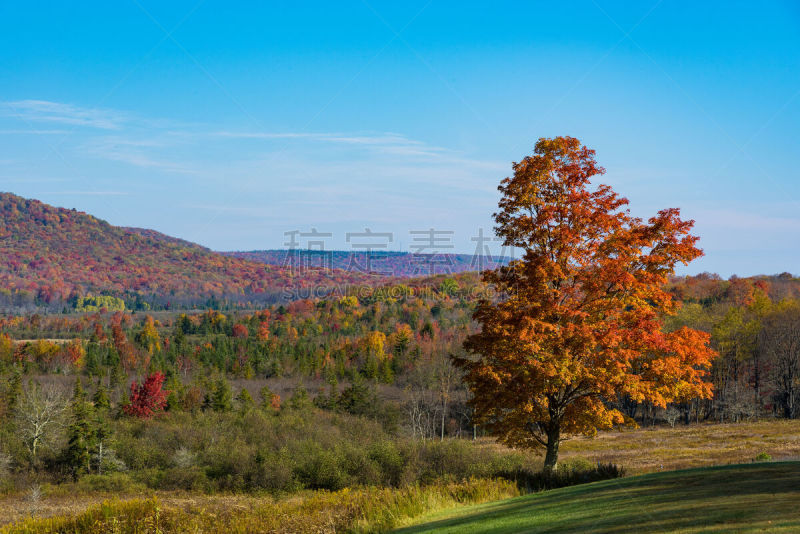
(762, 457)
(566, 474)
(273, 473)
(321, 469)
(185, 478)
(390, 461)
(110, 483)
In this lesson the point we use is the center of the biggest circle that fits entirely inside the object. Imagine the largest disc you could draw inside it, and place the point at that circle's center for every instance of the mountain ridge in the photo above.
(51, 255)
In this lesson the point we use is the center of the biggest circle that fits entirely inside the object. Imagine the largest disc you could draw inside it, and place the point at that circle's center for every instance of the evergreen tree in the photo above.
(299, 399)
(176, 391)
(173, 402)
(359, 398)
(221, 397)
(13, 391)
(82, 434)
(93, 361)
(100, 398)
(116, 376)
(245, 400)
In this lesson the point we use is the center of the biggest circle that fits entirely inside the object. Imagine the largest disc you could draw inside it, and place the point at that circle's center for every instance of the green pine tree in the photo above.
(221, 398)
(13, 391)
(116, 376)
(100, 399)
(82, 434)
(299, 399)
(176, 391)
(245, 400)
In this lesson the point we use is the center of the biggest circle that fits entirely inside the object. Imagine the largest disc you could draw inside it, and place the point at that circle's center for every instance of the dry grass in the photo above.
(653, 449)
(49, 340)
(646, 450)
(359, 510)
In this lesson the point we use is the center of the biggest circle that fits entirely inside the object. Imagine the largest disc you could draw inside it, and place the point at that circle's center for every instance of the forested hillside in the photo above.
(51, 256)
(383, 262)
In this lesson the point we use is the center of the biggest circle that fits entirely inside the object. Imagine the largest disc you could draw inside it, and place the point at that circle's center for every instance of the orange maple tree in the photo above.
(579, 318)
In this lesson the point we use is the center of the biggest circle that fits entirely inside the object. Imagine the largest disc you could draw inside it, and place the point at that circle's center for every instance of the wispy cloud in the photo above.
(88, 193)
(34, 132)
(46, 111)
(302, 169)
(31, 180)
(135, 151)
(383, 142)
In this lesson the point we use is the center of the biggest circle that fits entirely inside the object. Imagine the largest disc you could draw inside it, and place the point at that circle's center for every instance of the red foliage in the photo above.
(147, 397)
(240, 331)
(275, 402)
(263, 331)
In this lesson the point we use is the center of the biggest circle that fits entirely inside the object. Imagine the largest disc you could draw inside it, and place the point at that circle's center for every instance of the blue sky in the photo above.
(229, 123)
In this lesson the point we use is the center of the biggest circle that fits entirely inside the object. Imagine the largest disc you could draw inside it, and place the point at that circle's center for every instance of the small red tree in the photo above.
(240, 331)
(147, 397)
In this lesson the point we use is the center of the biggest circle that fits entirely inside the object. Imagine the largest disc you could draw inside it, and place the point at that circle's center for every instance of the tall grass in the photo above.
(360, 511)
(569, 473)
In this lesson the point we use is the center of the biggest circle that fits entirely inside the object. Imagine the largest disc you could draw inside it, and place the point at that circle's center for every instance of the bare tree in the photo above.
(446, 376)
(38, 415)
(421, 409)
(780, 342)
(672, 414)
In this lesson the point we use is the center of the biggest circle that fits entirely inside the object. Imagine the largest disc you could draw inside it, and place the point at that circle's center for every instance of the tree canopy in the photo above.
(579, 320)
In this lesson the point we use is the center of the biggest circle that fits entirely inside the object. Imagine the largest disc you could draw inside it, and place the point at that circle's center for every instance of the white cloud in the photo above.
(46, 111)
(34, 132)
(136, 152)
(87, 193)
(392, 143)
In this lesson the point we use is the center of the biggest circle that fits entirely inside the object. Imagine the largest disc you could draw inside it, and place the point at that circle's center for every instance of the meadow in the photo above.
(663, 448)
(123, 506)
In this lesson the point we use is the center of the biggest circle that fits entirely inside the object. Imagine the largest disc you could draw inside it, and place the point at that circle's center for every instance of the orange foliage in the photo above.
(578, 321)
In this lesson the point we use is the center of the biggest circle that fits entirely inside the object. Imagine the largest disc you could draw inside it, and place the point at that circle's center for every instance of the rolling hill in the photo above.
(758, 497)
(50, 255)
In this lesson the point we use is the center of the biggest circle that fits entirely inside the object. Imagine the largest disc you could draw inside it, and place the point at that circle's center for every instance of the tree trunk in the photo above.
(756, 383)
(444, 415)
(553, 439)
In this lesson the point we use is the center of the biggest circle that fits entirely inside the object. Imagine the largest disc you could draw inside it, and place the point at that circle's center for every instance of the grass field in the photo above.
(759, 497)
(647, 450)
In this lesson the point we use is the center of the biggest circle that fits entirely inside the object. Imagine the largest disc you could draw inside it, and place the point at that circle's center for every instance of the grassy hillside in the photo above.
(737, 498)
(52, 253)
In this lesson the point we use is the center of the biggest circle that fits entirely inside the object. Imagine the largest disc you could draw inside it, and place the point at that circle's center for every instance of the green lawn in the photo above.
(760, 497)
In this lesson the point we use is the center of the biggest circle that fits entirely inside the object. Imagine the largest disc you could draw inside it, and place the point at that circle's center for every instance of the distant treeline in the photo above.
(381, 262)
(403, 336)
